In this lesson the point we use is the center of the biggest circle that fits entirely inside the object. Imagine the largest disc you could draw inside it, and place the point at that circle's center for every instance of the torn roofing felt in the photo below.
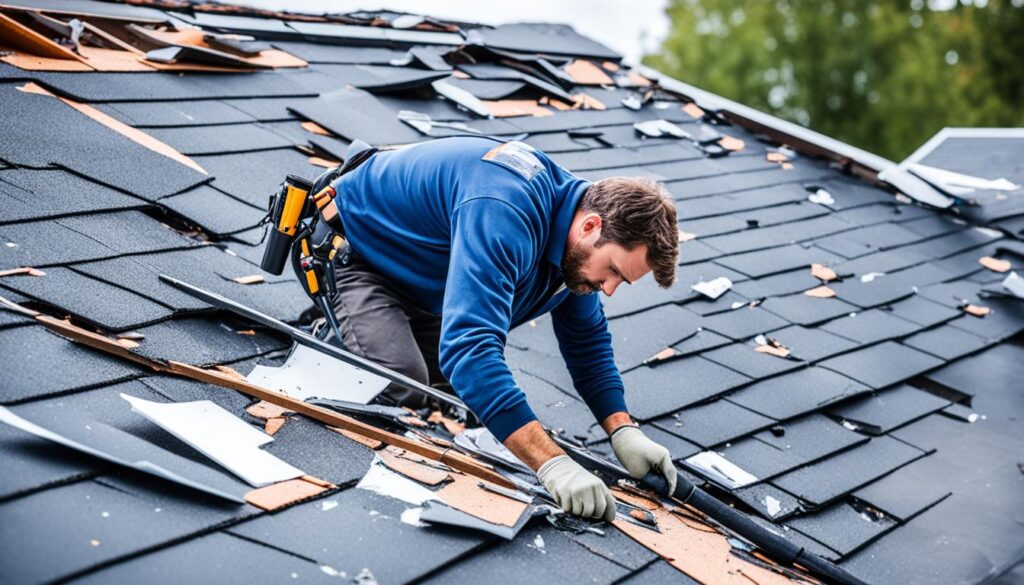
(863, 421)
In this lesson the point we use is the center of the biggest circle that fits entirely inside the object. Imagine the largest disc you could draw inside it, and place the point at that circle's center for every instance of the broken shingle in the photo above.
(803, 441)
(96, 439)
(906, 492)
(540, 553)
(769, 501)
(556, 39)
(881, 365)
(804, 310)
(47, 131)
(214, 211)
(30, 372)
(637, 337)
(42, 193)
(795, 393)
(774, 260)
(811, 344)
(75, 294)
(878, 291)
(225, 139)
(743, 358)
(889, 409)
(842, 527)
(984, 373)
(948, 343)
(713, 423)
(353, 114)
(652, 391)
(69, 529)
(840, 474)
(922, 311)
(203, 342)
(743, 323)
(32, 463)
(236, 448)
(311, 531)
(203, 559)
(869, 327)
(177, 113)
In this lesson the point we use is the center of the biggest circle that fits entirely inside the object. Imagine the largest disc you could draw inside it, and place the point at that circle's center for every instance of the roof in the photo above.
(857, 381)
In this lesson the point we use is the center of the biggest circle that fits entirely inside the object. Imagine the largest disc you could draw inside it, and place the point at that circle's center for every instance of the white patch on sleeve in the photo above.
(517, 156)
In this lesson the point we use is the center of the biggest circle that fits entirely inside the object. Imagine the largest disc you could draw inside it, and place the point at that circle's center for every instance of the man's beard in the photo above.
(572, 271)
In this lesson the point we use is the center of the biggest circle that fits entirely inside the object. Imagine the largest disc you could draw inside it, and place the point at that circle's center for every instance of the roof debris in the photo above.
(308, 373)
(821, 197)
(1015, 284)
(995, 264)
(713, 289)
(119, 127)
(823, 273)
(693, 110)
(586, 72)
(23, 270)
(821, 292)
(287, 493)
(719, 469)
(730, 143)
(976, 310)
(660, 128)
(235, 445)
(250, 279)
(771, 346)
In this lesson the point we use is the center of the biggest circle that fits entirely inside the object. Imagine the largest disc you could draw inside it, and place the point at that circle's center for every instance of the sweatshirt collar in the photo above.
(562, 220)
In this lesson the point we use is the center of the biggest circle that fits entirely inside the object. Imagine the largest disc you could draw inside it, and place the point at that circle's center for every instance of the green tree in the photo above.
(881, 75)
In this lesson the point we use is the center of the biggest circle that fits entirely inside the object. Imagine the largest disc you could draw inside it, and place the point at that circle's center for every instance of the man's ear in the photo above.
(591, 223)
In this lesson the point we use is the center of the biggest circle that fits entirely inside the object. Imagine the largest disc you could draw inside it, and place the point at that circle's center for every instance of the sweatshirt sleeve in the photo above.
(586, 346)
(491, 246)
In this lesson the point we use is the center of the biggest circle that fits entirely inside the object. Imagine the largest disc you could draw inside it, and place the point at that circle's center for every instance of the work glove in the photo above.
(576, 490)
(639, 455)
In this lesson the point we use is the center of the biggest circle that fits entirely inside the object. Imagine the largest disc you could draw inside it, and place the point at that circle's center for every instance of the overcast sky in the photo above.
(629, 28)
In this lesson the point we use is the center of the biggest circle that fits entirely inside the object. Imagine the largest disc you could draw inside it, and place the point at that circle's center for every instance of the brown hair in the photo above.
(635, 211)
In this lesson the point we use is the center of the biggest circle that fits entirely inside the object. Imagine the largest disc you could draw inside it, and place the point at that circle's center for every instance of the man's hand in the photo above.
(639, 455)
(577, 490)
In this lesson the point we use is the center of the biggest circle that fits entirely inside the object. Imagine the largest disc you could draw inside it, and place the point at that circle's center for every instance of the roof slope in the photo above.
(854, 409)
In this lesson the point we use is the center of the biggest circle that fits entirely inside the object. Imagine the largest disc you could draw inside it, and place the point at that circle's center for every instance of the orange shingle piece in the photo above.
(119, 127)
(820, 292)
(730, 143)
(585, 72)
(414, 466)
(693, 110)
(823, 273)
(694, 547)
(995, 264)
(463, 493)
(286, 493)
(512, 108)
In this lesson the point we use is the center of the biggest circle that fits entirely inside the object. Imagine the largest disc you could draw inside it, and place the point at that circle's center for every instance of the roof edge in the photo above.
(716, 102)
(959, 132)
(872, 167)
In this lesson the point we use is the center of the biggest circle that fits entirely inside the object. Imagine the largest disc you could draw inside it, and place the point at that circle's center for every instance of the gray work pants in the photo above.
(381, 324)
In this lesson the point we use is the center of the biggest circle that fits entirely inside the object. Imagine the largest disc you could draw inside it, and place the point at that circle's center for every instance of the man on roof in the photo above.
(458, 240)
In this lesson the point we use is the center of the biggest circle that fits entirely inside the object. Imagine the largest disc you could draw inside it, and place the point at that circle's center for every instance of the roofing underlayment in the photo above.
(841, 356)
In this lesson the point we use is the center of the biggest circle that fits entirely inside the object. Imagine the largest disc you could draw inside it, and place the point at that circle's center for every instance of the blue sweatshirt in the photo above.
(474, 230)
